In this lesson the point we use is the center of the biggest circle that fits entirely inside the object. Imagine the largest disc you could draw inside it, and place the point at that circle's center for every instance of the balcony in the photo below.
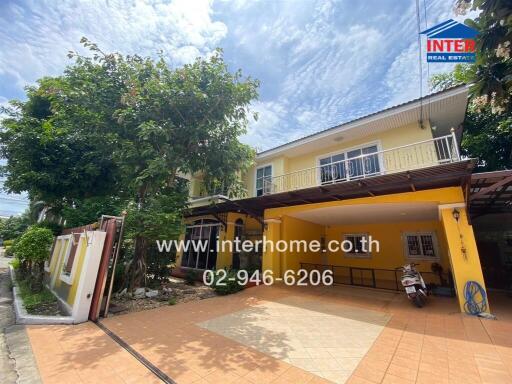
(423, 154)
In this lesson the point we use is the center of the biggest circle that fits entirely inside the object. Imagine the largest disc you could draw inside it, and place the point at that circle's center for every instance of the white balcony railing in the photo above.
(421, 154)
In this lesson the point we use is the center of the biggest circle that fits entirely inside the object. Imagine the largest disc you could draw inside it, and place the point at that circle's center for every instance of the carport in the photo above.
(490, 206)
(404, 232)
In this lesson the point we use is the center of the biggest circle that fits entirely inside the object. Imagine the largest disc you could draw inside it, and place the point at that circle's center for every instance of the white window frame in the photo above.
(56, 272)
(357, 255)
(54, 258)
(65, 277)
(421, 257)
(256, 177)
(345, 152)
(201, 226)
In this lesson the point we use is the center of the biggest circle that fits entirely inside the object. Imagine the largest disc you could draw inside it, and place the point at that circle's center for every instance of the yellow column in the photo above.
(225, 256)
(464, 258)
(271, 257)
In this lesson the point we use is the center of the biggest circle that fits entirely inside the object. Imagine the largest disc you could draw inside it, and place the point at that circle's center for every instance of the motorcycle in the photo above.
(414, 285)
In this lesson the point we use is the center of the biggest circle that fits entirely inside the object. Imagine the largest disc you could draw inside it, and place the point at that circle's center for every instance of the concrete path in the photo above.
(17, 363)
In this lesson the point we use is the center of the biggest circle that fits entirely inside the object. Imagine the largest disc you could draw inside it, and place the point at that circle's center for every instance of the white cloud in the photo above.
(35, 38)
(266, 129)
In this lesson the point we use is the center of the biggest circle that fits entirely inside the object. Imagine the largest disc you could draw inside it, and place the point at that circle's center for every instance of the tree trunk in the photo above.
(36, 281)
(138, 264)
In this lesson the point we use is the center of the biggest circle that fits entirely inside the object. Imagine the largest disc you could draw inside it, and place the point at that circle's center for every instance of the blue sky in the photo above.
(320, 63)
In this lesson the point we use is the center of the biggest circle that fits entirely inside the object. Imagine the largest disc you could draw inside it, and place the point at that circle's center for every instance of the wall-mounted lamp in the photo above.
(456, 214)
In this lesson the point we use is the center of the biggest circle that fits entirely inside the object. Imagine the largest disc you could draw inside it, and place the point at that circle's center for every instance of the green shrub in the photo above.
(172, 301)
(8, 243)
(158, 266)
(34, 245)
(31, 299)
(191, 277)
(32, 249)
(230, 284)
(9, 251)
(16, 263)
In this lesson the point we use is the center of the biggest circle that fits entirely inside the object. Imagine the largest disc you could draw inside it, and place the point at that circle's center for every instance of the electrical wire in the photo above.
(429, 105)
(418, 22)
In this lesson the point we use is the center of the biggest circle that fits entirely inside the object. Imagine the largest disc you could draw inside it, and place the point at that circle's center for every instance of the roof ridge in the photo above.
(364, 117)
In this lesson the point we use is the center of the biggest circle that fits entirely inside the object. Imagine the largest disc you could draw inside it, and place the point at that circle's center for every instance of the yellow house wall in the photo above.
(392, 250)
(297, 229)
(280, 166)
(393, 138)
(456, 241)
(440, 196)
(389, 234)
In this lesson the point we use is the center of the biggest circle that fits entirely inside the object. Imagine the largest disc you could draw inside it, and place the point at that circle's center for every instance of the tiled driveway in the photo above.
(288, 335)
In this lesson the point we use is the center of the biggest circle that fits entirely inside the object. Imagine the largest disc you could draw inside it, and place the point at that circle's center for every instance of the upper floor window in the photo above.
(357, 163)
(263, 180)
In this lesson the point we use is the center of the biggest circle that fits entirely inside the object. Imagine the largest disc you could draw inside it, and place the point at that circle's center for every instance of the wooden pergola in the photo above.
(439, 176)
(490, 192)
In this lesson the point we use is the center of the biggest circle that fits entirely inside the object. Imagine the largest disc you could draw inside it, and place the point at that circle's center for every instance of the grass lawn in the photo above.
(38, 303)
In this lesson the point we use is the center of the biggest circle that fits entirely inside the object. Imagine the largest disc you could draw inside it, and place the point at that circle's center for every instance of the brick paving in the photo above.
(256, 336)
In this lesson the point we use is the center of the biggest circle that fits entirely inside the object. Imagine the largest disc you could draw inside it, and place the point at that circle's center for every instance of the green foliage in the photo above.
(190, 276)
(119, 276)
(161, 215)
(461, 74)
(172, 301)
(493, 75)
(54, 146)
(488, 137)
(34, 245)
(13, 227)
(33, 300)
(16, 264)
(56, 228)
(129, 127)
(159, 266)
(8, 243)
(231, 284)
(89, 210)
(9, 252)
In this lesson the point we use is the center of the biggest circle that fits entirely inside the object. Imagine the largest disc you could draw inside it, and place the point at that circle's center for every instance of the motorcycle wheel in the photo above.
(419, 301)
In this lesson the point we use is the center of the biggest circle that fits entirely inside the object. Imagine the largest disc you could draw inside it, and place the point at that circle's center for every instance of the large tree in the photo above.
(492, 80)
(488, 123)
(134, 128)
(487, 134)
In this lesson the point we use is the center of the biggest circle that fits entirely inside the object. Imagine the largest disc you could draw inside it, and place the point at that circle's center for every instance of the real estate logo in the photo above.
(450, 42)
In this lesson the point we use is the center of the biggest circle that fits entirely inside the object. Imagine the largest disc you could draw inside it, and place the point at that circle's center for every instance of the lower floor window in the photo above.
(421, 245)
(356, 245)
(201, 238)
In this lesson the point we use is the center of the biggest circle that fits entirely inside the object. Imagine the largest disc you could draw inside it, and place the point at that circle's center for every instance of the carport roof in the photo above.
(439, 176)
(491, 192)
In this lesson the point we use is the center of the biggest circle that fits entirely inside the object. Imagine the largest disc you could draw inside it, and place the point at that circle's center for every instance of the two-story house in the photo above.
(396, 175)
